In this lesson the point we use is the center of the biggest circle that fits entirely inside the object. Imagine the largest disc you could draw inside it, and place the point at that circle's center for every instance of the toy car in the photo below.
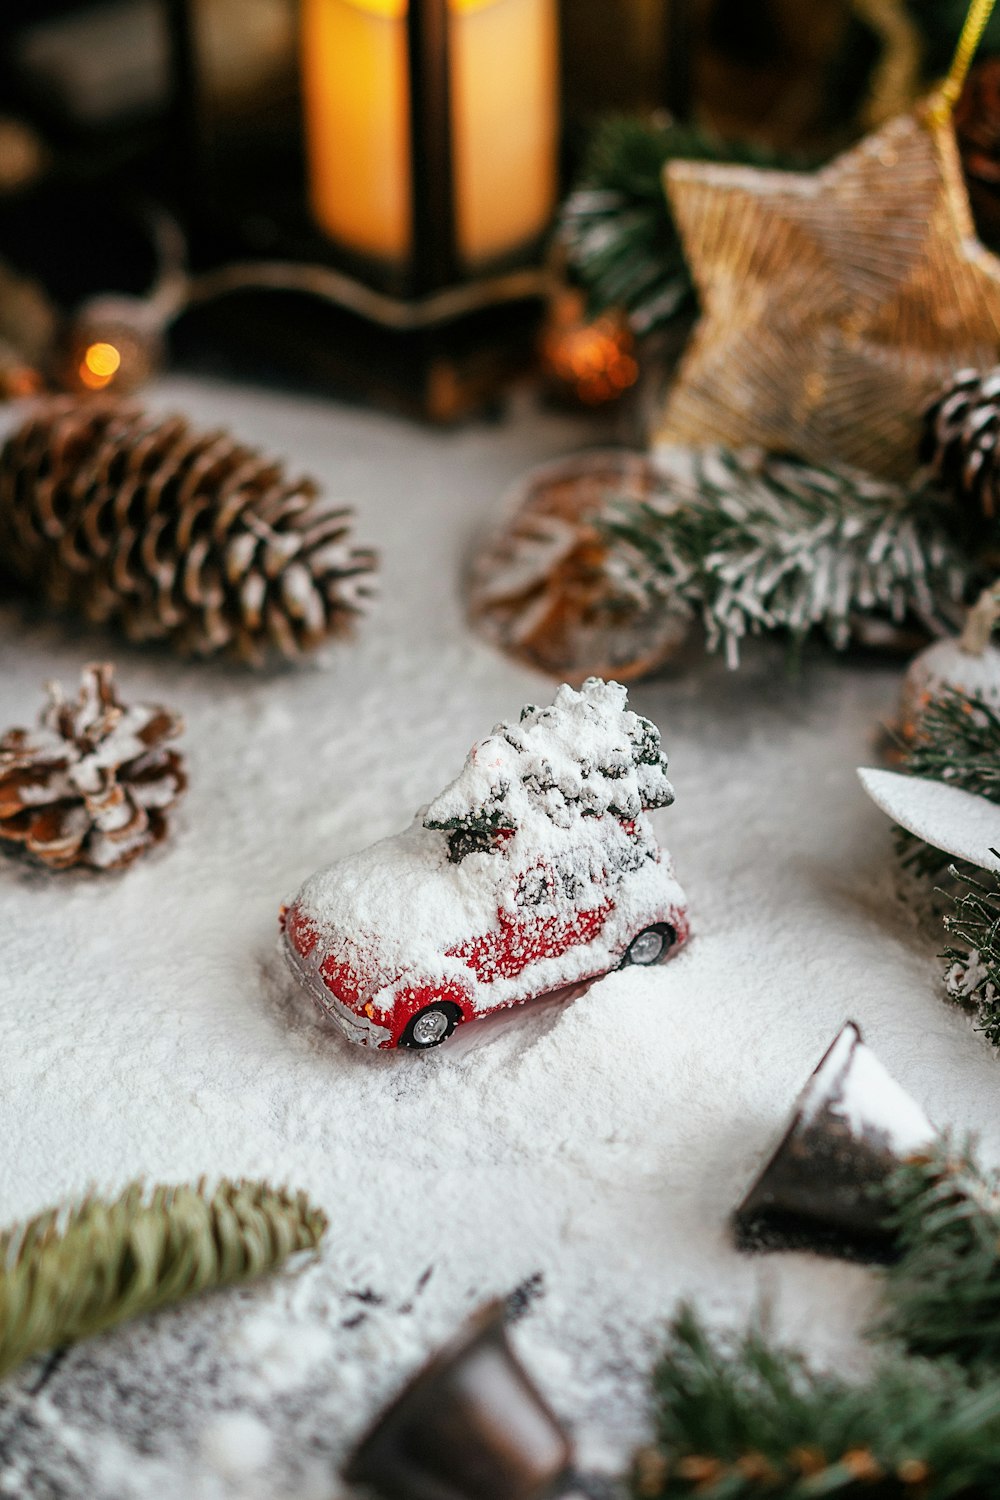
(536, 870)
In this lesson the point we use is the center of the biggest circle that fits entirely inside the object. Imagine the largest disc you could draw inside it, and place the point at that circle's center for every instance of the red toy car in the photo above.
(535, 870)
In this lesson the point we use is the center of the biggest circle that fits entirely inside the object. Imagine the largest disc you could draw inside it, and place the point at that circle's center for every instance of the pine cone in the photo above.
(93, 784)
(178, 536)
(961, 428)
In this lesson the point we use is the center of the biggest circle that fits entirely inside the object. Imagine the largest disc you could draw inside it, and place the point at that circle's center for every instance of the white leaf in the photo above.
(962, 824)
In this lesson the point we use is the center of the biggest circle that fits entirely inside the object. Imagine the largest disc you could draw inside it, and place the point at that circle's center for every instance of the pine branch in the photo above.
(748, 1418)
(616, 225)
(973, 973)
(943, 1292)
(758, 543)
(958, 742)
(65, 1276)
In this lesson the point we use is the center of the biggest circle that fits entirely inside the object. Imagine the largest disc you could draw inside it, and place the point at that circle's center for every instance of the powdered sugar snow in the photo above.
(588, 1153)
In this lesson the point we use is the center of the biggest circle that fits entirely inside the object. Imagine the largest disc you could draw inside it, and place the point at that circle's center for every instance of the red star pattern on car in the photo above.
(524, 938)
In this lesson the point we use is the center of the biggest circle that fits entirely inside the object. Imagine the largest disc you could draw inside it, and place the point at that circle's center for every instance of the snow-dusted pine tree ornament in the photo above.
(823, 1188)
(967, 663)
(535, 871)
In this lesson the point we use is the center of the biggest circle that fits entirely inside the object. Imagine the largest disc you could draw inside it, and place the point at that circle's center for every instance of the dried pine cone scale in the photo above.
(961, 433)
(176, 535)
(93, 784)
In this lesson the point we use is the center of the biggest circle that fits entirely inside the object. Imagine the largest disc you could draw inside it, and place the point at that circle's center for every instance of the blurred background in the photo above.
(412, 203)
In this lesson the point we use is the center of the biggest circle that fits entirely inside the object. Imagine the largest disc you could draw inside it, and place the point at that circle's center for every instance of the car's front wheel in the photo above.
(650, 945)
(431, 1026)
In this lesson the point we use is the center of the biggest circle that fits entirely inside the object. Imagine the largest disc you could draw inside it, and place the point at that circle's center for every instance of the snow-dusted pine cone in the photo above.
(961, 428)
(92, 785)
(177, 535)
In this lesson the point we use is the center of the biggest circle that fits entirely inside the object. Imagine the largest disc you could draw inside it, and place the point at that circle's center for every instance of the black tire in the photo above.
(444, 1013)
(640, 943)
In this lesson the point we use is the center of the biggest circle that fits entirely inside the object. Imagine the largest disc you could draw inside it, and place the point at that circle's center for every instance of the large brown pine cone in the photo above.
(961, 429)
(92, 785)
(177, 535)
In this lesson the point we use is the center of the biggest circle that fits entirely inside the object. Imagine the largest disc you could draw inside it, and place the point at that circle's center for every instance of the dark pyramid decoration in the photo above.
(470, 1426)
(824, 1187)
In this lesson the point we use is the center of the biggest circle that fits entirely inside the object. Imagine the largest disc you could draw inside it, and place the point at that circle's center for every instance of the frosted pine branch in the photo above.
(973, 954)
(69, 1274)
(943, 1292)
(756, 543)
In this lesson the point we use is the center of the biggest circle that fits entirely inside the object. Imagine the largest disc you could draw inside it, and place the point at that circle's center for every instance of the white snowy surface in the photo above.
(958, 822)
(592, 1152)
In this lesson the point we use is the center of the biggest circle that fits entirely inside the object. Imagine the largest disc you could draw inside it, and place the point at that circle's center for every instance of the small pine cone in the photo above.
(93, 784)
(961, 431)
(177, 535)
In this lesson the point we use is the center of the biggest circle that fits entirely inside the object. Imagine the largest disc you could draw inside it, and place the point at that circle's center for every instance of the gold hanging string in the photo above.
(976, 22)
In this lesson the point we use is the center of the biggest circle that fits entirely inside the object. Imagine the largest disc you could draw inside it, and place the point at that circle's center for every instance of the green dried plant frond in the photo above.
(616, 225)
(759, 543)
(746, 1417)
(69, 1274)
(943, 1293)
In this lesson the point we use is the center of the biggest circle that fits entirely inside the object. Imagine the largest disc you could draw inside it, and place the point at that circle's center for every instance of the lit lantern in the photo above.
(431, 128)
(393, 158)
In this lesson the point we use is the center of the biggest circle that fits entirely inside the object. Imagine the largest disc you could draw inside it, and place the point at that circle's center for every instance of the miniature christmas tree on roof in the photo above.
(583, 756)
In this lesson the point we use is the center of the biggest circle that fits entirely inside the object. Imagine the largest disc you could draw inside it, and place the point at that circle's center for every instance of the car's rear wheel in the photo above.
(650, 945)
(431, 1026)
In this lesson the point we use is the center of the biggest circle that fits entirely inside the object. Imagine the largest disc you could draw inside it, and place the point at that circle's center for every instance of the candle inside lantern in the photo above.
(503, 72)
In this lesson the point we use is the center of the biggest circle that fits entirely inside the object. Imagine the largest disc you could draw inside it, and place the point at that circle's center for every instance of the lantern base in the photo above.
(443, 373)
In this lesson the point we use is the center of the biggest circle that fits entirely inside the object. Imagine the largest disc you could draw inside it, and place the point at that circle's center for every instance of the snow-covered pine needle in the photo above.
(756, 543)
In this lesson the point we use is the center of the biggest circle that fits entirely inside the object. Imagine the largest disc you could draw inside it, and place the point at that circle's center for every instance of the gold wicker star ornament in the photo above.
(834, 303)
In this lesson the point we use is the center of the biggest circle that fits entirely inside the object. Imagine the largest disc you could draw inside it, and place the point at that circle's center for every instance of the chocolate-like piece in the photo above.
(470, 1426)
(824, 1187)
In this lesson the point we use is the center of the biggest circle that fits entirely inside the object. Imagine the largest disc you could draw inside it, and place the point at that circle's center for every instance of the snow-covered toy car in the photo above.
(535, 870)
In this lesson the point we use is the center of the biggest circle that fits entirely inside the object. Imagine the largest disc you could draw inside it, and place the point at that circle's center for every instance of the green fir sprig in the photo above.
(943, 1291)
(747, 1417)
(744, 1416)
(758, 543)
(69, 1274)
(957, 741)
(616, 226)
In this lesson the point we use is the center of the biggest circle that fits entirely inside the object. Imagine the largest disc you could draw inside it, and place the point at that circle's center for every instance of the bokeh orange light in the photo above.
(594, 362)
(99, 365)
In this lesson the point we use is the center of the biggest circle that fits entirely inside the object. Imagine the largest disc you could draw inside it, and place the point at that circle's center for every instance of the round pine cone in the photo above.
(961, 428)
(177, 535)
(93, 784)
